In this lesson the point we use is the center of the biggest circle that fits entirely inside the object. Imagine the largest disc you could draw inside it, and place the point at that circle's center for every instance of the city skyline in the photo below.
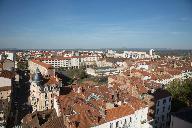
(95, 24)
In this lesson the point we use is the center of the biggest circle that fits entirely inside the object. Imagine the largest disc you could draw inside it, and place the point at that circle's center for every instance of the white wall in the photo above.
(8, 65)
(91, 71)
(10, 55)
(5, 82)
(133, 121)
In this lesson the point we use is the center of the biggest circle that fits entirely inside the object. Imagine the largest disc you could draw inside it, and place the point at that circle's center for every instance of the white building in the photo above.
(70, 62)
(66, 62)
(7, 64)
(128, 54)
(135, 54)
(129, 118)
(151, 52)
(7, 55)
(42, 92)
(103, 71)
(142, 66)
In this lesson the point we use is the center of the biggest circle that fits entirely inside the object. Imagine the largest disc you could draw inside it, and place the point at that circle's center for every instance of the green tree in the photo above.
(181, 92)
(22, 65)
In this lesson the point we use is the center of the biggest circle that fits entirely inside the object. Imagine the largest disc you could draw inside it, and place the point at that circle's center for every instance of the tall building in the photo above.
(151, 52)
(42, 91)
(162, 99)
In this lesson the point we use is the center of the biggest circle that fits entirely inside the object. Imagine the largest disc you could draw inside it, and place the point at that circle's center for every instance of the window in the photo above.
(167, 115)
(130, 119)
(164, 101)
(155, 121)
(125, 121)
(111, 125)
(45, 95)
(117, 124)
(169, 108)
(51, 95)
(163, 109)
(157, 111)
(162, 117)
(168, 124)
(158, 103)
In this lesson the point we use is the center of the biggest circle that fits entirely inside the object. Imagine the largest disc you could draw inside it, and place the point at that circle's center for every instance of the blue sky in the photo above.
(96, 24)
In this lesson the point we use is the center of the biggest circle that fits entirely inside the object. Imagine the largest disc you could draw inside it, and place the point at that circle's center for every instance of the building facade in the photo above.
(162, 109)
(42, 92)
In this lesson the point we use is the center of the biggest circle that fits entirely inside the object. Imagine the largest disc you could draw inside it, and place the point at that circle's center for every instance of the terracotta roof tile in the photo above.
(118, 112)
(47, 66)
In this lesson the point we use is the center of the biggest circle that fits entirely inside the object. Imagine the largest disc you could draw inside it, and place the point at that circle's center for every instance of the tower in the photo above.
(151, 52)
(38, 78)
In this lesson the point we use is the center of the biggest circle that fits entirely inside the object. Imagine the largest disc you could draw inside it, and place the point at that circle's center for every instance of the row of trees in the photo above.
(181, 92)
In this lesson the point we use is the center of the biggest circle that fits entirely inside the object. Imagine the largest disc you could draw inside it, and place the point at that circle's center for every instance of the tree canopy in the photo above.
(181, 92)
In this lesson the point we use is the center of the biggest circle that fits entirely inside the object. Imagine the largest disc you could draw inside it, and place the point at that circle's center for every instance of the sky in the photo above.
(63, 24)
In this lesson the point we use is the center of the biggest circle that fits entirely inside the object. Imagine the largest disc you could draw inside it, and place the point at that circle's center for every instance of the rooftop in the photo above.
(47, 66)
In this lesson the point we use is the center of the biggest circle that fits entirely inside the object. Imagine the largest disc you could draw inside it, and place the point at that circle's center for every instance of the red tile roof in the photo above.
(47, 66)
(53, 80)
(118, 112)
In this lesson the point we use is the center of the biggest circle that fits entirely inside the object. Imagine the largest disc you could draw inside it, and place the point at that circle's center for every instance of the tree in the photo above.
(4, 56)
(22, 65)
(181, 92)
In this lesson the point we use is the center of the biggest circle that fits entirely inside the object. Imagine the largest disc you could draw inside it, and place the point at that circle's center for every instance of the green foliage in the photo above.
(79, 76)
(181, 92)
(76, 73)
(22, 65)
(4, 56)
(97, 79)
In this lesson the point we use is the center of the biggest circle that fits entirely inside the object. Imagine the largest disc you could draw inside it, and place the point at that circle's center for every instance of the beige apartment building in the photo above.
(42, 91)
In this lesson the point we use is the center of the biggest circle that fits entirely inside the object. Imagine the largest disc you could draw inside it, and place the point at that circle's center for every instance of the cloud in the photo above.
(176, 33)
(184, 19)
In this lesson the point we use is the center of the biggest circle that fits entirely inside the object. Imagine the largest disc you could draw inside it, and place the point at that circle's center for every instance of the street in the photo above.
(19, 102)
